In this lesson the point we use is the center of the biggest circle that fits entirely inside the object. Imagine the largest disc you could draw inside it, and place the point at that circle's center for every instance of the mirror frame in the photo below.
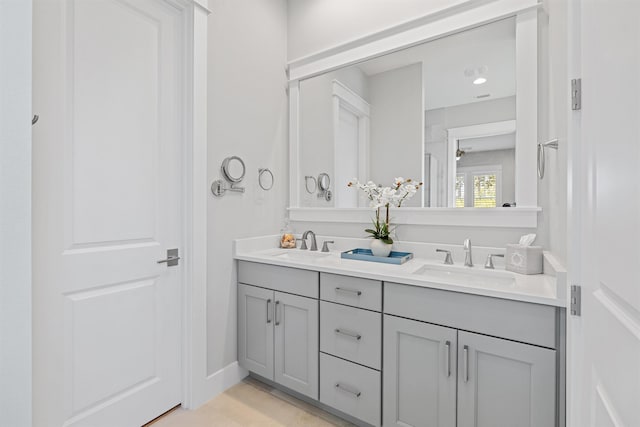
(455, 19)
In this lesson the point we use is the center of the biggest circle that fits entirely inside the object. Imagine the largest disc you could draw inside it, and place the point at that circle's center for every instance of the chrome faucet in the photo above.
(468, 262)
(314, 245)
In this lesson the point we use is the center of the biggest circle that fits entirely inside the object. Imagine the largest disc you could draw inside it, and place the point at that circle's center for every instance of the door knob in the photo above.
(171, 259)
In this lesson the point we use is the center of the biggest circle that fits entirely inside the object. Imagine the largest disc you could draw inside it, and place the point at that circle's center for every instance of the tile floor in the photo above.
(254, 404)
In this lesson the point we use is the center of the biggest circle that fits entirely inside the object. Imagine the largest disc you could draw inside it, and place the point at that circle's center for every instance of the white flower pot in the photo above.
(380, 248)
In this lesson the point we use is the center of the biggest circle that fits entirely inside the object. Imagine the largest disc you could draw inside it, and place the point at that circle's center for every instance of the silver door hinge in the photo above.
(576, 94)
(576, 300)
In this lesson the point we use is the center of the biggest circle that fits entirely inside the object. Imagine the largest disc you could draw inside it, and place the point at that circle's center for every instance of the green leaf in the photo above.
(388, 241)
(368, 230)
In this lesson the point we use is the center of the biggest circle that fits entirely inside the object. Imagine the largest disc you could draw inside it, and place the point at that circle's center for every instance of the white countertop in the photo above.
(423, 270)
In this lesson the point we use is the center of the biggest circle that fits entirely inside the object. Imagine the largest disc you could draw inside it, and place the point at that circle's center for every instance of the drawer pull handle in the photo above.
(355, 392)
(349, 291)
(277, 313)
(465, 364)
(448, 356)
(349, 334)
(268, 304)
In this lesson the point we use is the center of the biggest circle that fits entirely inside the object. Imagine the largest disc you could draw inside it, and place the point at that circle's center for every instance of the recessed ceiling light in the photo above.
(479, 81)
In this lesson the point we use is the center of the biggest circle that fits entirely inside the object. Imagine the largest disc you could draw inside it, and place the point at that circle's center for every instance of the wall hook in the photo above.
(35, 119)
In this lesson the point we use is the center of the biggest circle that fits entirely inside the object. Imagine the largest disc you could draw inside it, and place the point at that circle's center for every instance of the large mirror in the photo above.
(441, 112)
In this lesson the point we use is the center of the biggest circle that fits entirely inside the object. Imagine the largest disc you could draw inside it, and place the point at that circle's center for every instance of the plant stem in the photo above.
(387, 214)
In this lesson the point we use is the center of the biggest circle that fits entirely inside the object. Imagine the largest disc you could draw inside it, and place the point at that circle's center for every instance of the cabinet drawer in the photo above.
(355, 291)
(350, 388)
(515, 320)
(283, 279)
(351, 333)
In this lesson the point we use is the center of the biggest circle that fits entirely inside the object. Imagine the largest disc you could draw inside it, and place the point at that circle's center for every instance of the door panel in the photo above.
(504, 383)
(255, 329)
(604, 373)
(107, 206)
(296, 343)
(419, 390)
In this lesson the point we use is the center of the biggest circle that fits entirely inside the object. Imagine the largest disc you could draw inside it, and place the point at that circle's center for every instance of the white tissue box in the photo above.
(524, 259)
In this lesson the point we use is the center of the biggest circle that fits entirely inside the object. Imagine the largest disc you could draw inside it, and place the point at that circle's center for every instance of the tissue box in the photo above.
(524, 259)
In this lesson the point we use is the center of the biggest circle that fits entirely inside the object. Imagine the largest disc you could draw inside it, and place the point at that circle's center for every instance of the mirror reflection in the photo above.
(442, 112)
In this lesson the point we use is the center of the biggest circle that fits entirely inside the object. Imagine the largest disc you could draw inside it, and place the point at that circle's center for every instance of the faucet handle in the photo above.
(325, 247)
(447, 259)
(489, 263)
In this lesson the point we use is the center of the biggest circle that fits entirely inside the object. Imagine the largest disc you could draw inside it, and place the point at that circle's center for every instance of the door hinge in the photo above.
(576, 94)
(576, 300)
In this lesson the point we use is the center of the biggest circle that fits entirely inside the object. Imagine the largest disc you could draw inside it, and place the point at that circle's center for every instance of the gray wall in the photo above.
(396, 126)
(15, 213)
(248, 117)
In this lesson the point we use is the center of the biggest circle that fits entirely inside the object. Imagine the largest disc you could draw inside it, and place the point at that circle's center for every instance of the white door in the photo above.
(604, 345)
(107, 205)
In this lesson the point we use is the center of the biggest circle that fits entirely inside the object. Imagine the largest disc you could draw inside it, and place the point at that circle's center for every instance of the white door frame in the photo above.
(346, 98)
(467, 132)
(194, 330)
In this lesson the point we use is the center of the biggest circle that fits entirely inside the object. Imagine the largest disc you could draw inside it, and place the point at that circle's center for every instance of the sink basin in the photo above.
(467, 276)
(300, 255)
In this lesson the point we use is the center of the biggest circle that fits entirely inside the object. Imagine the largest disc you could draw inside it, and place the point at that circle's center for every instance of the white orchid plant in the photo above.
(385, 197)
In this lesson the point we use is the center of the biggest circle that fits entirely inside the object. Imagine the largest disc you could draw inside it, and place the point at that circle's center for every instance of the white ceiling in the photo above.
(488, 143)
(445, 60)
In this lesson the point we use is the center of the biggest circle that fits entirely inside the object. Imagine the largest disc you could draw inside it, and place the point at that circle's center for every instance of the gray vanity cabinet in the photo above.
(255, 330)
(419, 374)
(296, 343)
(277, 330)
(505, 352)
(504, 383)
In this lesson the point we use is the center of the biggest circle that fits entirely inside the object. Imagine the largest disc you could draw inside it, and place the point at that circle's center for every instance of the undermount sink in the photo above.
(474, 276)
(294, 254)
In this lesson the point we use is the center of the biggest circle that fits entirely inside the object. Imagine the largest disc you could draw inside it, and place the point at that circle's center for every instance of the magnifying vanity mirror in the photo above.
(457, 112)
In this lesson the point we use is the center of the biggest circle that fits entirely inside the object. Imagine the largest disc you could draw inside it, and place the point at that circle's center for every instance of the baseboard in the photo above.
(217, 383)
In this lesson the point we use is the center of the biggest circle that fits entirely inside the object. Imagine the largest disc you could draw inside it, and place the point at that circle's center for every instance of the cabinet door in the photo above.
(296, 343)
(504, 383)
(419, 374)
(255, 330)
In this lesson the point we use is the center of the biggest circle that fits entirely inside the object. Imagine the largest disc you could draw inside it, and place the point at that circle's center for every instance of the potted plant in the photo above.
(385, 197)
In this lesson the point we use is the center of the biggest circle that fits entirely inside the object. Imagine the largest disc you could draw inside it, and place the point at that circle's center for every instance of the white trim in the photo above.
(466, 132)
(217, 383)
(470, 217)
(465, 15)
(194, 316)
(526, 108)
(447, 21)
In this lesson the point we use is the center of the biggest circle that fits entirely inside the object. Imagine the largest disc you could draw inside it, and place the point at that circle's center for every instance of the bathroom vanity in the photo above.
(414, 344)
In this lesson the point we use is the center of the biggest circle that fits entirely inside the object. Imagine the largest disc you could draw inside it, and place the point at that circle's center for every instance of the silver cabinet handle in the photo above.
(448, 356)
(349, 291)
(168, 259)
(277, 313)
(353, 391)
(349, 334)
(268, 304)
(465, 363)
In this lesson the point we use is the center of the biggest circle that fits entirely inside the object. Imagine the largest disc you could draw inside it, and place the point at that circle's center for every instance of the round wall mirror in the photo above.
(324, 182)
(233, 169)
